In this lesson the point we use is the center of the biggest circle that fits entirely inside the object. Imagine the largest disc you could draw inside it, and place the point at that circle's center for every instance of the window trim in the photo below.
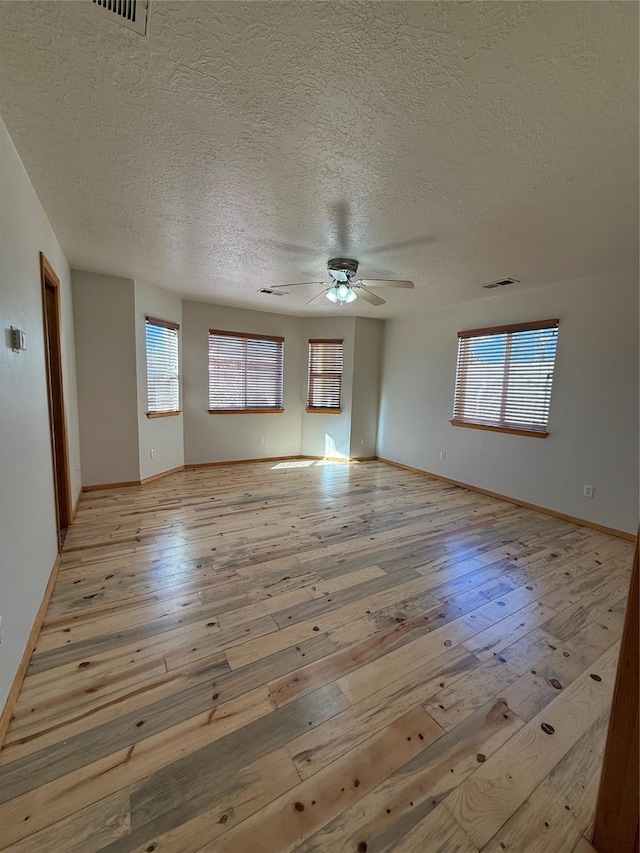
(552, 323)
(163, 324)
(532, 433)
(271, 410)
(323, 410)
(514, 327)
(172, 414)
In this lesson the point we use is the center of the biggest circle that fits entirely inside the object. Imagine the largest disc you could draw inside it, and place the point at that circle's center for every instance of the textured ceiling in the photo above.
(241, 145)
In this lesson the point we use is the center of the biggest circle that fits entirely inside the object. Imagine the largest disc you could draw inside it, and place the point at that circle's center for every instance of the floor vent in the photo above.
(503, 282)
(132, 13)
(271, 292)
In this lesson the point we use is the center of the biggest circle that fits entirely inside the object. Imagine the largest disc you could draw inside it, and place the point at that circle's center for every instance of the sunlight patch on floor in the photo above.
(297, 463)
(309, 463)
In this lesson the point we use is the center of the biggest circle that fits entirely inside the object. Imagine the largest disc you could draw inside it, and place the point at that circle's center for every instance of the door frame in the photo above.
(617, 821)
(55, 396)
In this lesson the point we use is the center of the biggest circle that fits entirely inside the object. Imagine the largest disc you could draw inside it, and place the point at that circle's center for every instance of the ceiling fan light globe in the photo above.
(351, 296)
(343, 292)
(331, 295)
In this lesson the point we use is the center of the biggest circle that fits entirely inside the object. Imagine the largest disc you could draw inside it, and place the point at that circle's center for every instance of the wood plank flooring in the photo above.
(316, 657)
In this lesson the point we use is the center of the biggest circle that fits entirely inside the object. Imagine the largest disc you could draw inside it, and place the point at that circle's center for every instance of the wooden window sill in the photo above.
(317, 411)
(164, 414)
(532, 433)
(246, 411)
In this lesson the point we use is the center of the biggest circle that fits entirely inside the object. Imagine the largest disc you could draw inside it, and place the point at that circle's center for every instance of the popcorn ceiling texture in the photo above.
(241, 145)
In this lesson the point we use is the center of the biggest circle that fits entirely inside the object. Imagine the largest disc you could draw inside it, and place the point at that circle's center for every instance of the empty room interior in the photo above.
(319, 426)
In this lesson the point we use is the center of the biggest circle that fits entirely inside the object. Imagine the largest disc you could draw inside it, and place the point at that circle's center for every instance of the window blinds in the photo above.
(163, 380)
(325, 374)
(504, 376)
(245, 372)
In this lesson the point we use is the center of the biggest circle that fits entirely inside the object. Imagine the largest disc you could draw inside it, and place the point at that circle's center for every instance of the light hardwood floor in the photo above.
(316, 657)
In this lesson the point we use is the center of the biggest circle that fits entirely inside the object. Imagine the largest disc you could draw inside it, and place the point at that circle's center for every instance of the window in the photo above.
(325, 376)
(245, 373)
(163, 380)
(504, 377)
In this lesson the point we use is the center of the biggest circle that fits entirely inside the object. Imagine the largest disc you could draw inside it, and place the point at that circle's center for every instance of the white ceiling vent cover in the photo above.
(502, 282)
(132, 13)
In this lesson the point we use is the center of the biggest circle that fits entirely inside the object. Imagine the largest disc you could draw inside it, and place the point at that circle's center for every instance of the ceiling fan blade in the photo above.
(365, 294)
(386, 282)
(289, 247)
(340, 214)
(318, 295)
(401, 244)
(298, 284)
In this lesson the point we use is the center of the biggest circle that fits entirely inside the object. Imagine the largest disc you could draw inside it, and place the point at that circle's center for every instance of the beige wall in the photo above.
(214, 438)
(328, 435)
(162, 435)
(593, 423)
(116, 447)
(107, 386)
(28, 543)
(366, 385)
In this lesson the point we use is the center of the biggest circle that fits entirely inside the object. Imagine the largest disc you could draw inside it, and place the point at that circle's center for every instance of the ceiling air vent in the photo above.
(503, 282)
(132, 13)
(271, 292)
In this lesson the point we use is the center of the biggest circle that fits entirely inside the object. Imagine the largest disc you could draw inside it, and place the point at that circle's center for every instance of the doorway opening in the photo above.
(57, 419)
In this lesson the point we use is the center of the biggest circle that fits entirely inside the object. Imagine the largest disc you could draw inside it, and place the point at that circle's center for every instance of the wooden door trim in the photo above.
(64, 508)
(617, 821)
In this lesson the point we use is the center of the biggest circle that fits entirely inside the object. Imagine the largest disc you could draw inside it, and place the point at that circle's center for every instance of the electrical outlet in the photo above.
(152, 453)
(443, 455)
(261, 440)
(18, 339)
(363, 439)
(588, 491)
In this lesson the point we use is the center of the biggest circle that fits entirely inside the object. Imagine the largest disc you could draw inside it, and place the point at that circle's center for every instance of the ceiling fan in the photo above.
(345, 287)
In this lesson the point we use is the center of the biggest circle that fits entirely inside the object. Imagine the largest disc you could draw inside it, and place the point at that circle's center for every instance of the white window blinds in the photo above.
(326, 360)
(504, 376)
(163, 379)
(245, 372)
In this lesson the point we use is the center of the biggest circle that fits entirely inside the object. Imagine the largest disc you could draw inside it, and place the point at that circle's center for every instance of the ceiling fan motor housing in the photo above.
(342, 269)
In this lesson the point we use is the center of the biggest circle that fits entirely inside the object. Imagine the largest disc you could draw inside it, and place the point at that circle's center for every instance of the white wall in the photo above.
(366, 386)
(328, 435)
(28, 542)
(593, 423)
(215, 438)
(103, 308)
(163, 435)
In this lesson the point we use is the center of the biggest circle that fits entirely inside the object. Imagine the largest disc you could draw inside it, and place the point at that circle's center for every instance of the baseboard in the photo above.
(12, 698)
(98, 487)
(161, 475)
(126, 484)
(75, 507)
(193, 465)
(612, 531)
